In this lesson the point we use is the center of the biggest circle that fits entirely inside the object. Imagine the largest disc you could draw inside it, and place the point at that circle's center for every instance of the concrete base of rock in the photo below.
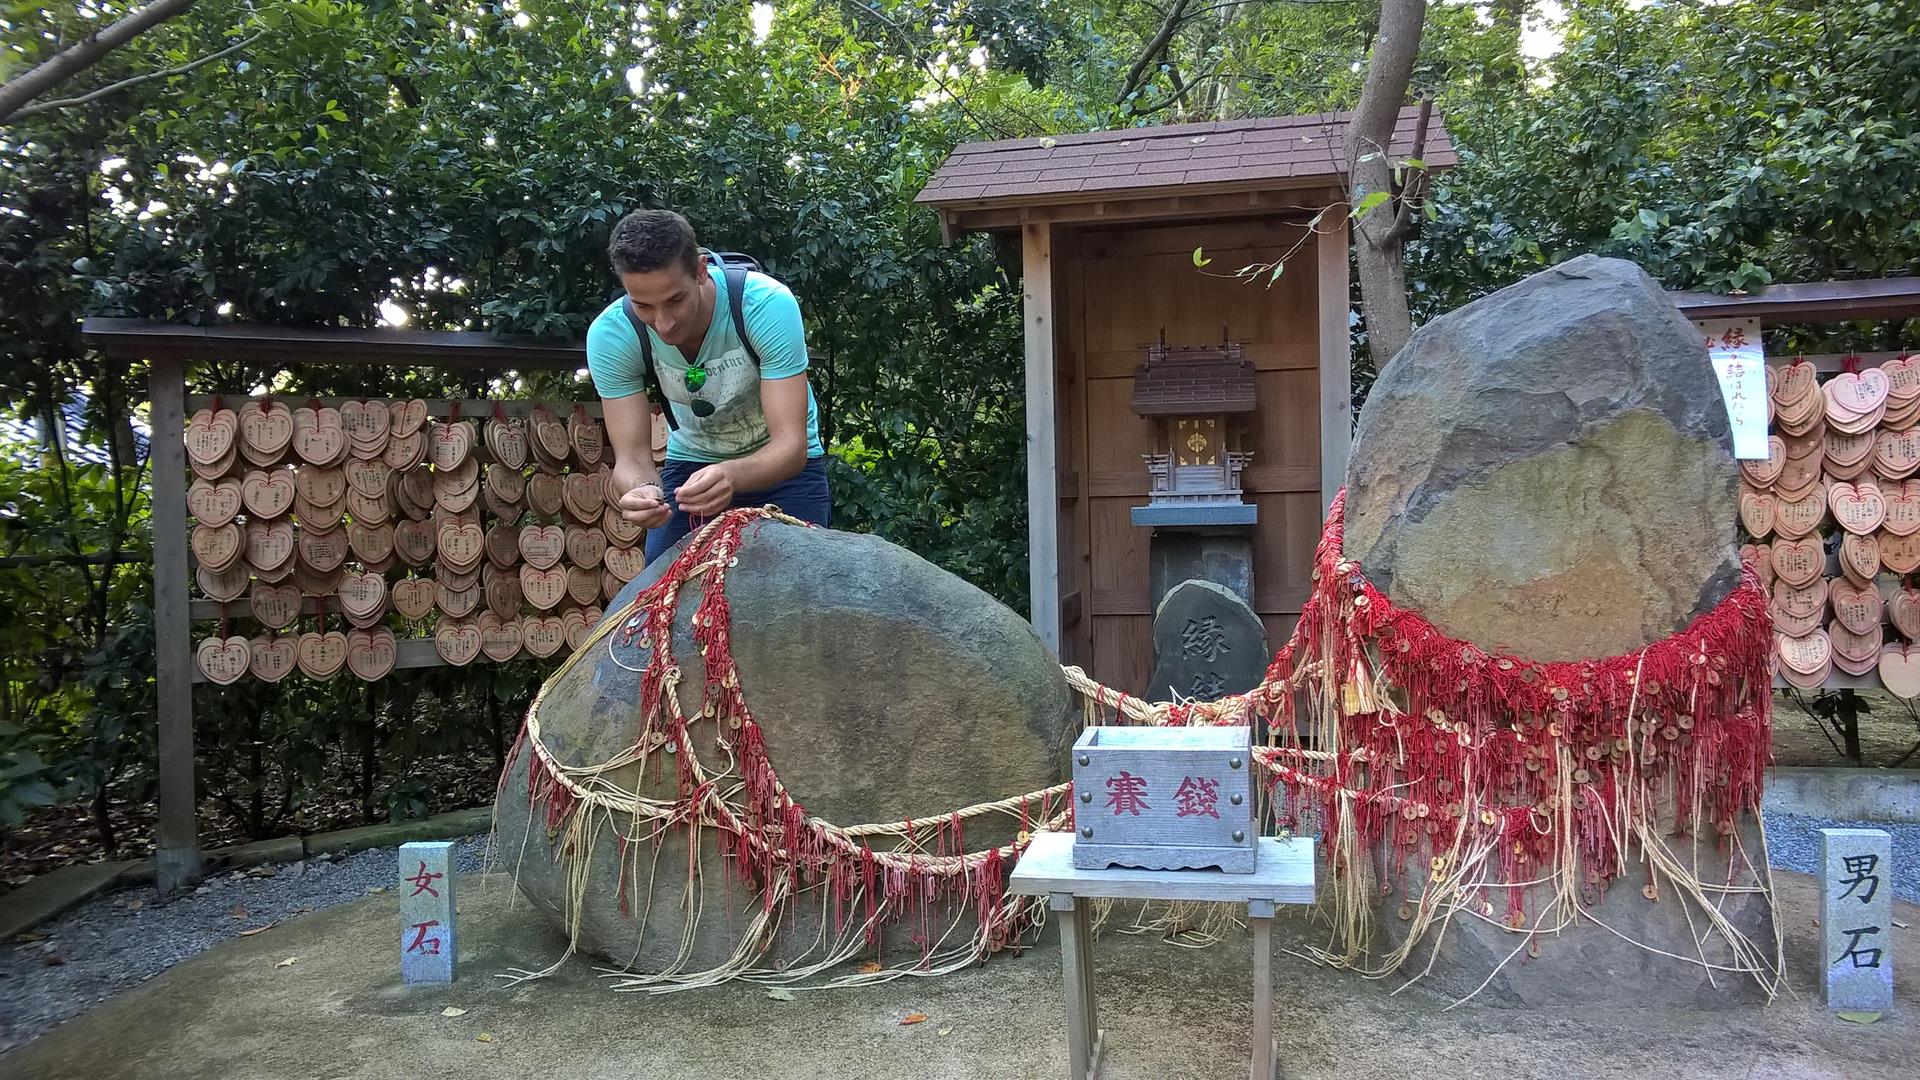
(1590, 963)
(341, 1011)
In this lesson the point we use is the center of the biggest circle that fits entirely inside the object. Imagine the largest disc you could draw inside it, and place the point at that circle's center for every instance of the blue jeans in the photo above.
(804, 496)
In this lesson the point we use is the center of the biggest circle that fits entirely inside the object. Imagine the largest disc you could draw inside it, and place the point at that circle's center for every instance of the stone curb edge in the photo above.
(53, 893)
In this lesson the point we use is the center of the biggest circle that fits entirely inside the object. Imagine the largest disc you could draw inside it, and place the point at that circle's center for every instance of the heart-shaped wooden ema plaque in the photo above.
(363, 595)
(585, 499)
(1903, 607)
(546, 494)
(319, 518)
(323, 550)
(1860, 556)
(1802, 447)
(619, 531)
(1756, 513)
(218, 469)
(266, 428)
(503, 546)
(499, 638)
(449, 444)
(225, 585)
(372, 653)
(369, 511)
(216, 547)
(507, 440)
(573, 622)
(320, 485)
(1795, 381)
(406, 417)
(1857, 471)
(268, 493)
(542, 545)
(457, 601)
(1845, 450)
(1797, 478)
(367, 422)
(1804, 654)
(588, 440)
(461, 546)
(322, 655)
(223, 660)
(269, 544)
(1856, 607)
(1900, 554)
(583, 584)
(209, 436)
(369, 478)
(405, 451)
(1903, 509)
(624, 563)
(1797, 625)
(413, 597)
(271, 657)
(1795, 562)
(321, 441)
(507, 485)
(609, 585)
(414, 542)
(214, 502)
(544, 589)
(275, 606)
(586, 547)
(458, 642)
(543, 634)
(1859, 392)
(1859, 648)
(1858, 508)
(504, 512)
(1900, 670)
(503, 595)
(1801, 601)
(1762, 474)
(550, 435)
(370, 543)
(1759, 557)
(1896, 454)
(1800, 517)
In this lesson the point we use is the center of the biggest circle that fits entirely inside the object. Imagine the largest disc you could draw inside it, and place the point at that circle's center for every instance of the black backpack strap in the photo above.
(737, 302)
(652, 378)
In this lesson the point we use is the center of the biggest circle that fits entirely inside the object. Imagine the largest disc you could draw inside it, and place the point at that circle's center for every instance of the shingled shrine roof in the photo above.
(1228, 155)
(1213, 379)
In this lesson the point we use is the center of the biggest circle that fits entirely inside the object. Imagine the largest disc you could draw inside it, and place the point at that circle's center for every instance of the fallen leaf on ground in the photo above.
(263, 871)
(483, 1037)
(871, 967)
(239, 911)
(451, 1011)
(1902, 926)
(260, 929)
(1859, 1017)
(133, 905)
(780, 993)
(914, 1018)
(288, 962)
(946, 1031)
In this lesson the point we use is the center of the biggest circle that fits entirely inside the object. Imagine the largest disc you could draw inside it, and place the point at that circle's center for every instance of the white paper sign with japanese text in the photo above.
(1733, 347)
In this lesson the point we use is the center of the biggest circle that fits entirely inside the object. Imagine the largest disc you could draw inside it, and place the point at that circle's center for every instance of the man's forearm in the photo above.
(628, 475)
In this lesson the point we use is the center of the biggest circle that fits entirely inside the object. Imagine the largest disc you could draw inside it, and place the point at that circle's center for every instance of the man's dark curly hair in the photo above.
(648, 240)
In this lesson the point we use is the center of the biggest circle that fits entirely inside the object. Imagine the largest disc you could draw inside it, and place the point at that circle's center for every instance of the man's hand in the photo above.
(707, 493)
(646, 506)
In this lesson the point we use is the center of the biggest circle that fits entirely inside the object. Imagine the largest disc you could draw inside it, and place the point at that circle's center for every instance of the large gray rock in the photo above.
(1548, 470)
(886, 688)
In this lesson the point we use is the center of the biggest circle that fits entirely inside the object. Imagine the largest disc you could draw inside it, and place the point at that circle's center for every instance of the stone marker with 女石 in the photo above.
(426, 913)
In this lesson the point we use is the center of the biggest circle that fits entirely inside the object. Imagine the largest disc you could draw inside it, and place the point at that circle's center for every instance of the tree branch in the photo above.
(70, 62)
(1404, 223)
(114, 88)
(1154, 47)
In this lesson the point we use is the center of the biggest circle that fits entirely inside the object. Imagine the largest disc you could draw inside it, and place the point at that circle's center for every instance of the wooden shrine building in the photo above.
(1171, 406)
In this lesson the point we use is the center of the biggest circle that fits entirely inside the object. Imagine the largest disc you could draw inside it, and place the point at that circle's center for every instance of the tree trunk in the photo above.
(72, 61)
(1377, 241)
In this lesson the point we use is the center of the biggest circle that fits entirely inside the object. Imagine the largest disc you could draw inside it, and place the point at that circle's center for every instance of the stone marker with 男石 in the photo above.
(426, 913)
(1856, 918)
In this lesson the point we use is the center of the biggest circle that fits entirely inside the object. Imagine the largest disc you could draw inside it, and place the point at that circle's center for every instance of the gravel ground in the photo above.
(119, 939)
(1793, 843)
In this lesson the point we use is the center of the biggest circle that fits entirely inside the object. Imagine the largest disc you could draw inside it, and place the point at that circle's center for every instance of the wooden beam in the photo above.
(437, 408)
(1811, 301)
(1232, 203)
(1336, 359)
(138, 339)
(177, 862)
(1043, 453)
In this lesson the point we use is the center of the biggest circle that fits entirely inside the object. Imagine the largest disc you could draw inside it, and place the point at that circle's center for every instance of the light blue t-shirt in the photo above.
(738, 425)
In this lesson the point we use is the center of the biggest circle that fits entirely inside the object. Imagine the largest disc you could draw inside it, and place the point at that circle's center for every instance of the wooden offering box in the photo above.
(1163, 798)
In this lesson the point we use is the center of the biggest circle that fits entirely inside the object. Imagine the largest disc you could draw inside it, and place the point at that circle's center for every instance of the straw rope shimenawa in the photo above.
(1506, 779)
